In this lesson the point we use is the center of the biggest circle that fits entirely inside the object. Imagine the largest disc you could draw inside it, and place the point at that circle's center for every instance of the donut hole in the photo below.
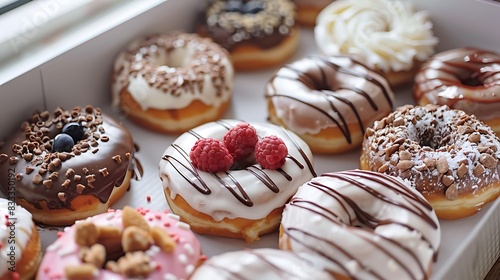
(471, 78)
(430, 132)
(176, 58)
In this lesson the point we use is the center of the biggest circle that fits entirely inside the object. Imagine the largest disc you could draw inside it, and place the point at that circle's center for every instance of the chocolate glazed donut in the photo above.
(328, 102)
(67, 165)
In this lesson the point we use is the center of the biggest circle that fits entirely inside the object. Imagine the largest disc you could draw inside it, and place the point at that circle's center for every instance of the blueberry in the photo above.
(62, 143)
(75, 130)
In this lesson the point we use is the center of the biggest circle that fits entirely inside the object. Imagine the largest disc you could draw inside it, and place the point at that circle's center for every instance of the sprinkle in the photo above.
(189, 269)
(169, 276)
(183, 258)
(153, 250)
(148, 198)
(54, 246)
(65, 251)
(110, 216)
(183, 225)
(60, 233)
(173, 216)
(189, 249)
(117, 158)
(166, 224)
(61, 196)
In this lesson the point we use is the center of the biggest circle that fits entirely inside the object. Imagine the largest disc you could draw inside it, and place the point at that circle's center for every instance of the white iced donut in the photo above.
(172, 82)
(264, 263)
(20, 247)
(242, 203)
(362, 225)
(387, 35)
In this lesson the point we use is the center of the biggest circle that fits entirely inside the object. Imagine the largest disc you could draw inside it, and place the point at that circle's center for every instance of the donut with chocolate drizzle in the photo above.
(464, 78)
(243, 202)
(328, 102)
(362, 225)
(62, 184)
(449, 156)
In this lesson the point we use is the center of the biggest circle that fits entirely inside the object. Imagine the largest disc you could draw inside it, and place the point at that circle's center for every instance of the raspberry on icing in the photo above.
(210, 155)
(240, 141)
(270, 152)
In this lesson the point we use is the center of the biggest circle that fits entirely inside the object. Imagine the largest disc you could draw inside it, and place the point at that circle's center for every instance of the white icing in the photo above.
(385, 34)
(264, 263)
(183, 56)
(328, 226)
(15, 237)
(221, 203)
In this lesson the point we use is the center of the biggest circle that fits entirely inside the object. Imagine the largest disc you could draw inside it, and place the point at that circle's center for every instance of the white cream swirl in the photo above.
(385, 34)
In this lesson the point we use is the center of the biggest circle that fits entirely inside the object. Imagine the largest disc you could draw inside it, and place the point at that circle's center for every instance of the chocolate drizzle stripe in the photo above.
(243, 198)
(301, 151)
(264, 178)
(282, 273)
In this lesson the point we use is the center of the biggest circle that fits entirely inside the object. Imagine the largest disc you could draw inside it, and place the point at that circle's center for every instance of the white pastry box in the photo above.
(73, 67)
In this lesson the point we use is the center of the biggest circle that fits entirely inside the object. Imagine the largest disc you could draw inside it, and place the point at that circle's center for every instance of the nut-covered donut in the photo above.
(328, 101)
(362, 225)
(465, 78)
(67, 165)
(257, 33)
(123, 244)
(449, 156)
(172, 82)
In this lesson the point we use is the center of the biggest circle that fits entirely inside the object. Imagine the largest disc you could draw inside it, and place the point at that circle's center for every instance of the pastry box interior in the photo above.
(73, 67)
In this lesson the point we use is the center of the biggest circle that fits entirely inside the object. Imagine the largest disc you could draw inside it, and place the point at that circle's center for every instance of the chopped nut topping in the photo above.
(86, 234)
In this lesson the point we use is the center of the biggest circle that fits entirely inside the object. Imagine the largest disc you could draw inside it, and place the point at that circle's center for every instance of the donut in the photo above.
(67, 165)
(447, 155)
(362, 225)
(20, 246)
(123, 244)
(328, 102)
(172, 82)
(257, 33)
(243, 202)
(263, 263)
(308, 10)
(386, 35)
(464, 78)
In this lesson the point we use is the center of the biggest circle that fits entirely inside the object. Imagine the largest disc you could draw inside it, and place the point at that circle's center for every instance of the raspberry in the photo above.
(270, 152)
(210, 155)
(240, 141)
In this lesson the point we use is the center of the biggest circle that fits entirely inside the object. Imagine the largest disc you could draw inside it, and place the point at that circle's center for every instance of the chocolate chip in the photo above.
(29, 169)
(47, 183)
(478, 170)
(66, 183)
(37, 179)
(451, 192)
(61, 196)
(80, 188)
(488, 161)
(117, 158)
(70, 172)
(442, 165)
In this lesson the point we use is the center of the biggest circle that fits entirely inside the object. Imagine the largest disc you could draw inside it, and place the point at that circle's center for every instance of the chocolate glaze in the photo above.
(190, 173)
(94, 167)
(265, 29)
(320, 79)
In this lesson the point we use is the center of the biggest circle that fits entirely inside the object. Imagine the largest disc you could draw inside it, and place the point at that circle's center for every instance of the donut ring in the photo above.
(172, 82)
(263, 263)
(465, 78)
(257, 33)
(362, 225)
(308, 10)
(242, 203)
(389, 36)
(328, 102)
(104, 247)
(20, 246)
(60, 187)
(449, 156)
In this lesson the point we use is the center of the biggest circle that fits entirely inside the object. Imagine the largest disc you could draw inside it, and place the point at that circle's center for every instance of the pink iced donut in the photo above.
(124, 244)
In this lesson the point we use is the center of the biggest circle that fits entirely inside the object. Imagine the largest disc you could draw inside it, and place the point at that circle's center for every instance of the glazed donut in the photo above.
(172, 82)
(264, 263)
(465, 78)
(244, 202)
(328, 102)
(386, 35)
(257, 33)
(362, 225)
(67, 165)
(20, 247)
(123, 244)
(308, 10)
(449, 156)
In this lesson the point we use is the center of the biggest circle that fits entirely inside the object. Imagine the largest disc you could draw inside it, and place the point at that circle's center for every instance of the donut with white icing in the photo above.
(241, 203)
(328, 101)
(386, 35)
(123, 244)
(257, 33)
(450, 157)
(264, 263)
(67, 165)
(467, 79)
(362, 225)
(20, 247)
(172, 82)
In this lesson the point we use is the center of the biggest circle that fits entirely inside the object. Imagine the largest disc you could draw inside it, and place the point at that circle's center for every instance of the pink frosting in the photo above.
(178, 264)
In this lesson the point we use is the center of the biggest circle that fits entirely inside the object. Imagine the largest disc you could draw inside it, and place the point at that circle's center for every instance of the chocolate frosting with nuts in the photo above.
(441, 150)
(265, 29)
(96, 164)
